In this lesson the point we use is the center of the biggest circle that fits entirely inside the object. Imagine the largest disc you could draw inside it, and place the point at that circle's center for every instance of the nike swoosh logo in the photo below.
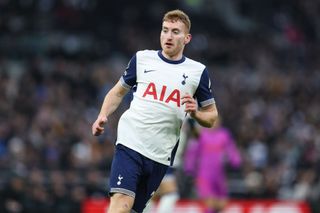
(146, 71)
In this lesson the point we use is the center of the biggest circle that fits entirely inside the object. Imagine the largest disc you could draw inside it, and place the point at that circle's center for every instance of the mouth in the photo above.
(168, 44)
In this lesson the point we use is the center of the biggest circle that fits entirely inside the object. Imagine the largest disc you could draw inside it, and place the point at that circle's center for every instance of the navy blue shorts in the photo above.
(135, 175)
(171, 171)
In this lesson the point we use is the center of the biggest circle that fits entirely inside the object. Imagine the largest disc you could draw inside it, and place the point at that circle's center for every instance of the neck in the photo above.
(175, 57)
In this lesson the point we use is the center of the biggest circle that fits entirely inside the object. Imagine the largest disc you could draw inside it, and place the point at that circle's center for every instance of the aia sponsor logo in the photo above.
(163, 95)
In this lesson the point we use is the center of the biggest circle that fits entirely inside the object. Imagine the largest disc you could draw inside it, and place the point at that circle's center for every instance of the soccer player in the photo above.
(209, 151)
(168, 86)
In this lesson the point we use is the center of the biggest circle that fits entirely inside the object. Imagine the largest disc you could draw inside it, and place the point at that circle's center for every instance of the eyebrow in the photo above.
(173, 29)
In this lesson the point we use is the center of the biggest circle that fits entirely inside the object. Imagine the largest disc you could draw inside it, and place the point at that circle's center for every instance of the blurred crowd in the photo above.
(58, 59)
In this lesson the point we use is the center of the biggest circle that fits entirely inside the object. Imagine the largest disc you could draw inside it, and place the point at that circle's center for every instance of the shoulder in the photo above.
(194, 63)
(146, 53)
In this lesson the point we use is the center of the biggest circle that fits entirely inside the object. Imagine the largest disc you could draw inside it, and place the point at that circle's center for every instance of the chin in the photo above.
(168, 52)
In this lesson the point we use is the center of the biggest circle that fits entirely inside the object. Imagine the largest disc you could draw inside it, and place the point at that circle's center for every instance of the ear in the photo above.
(187, 38)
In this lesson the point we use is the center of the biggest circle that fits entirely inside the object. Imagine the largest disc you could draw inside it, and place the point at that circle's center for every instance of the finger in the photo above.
(186, 96)
(102, 122)
(187, 100)
(191, 106)
(190, 109)
(100, 128)
(98, 131)
(97, 127)
(95, 132)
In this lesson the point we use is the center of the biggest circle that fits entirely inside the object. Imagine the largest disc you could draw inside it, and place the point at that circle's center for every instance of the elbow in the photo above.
(213, 117)
(213, 120)
(209, 125)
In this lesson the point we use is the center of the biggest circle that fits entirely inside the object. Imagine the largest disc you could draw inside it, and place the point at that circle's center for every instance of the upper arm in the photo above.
(127, 80)
(209, 108)
(120, 90)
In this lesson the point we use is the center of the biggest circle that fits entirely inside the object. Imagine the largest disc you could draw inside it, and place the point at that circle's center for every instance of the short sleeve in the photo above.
(203, 93)
(129, 77)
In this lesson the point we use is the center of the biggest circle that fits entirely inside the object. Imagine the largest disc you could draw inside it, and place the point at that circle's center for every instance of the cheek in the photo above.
(181, 42)
(162, 38)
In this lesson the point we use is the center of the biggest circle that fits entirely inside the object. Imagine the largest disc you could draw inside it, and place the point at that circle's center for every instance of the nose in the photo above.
(170, 35)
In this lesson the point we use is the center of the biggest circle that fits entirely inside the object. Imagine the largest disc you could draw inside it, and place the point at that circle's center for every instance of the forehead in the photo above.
(171, 24)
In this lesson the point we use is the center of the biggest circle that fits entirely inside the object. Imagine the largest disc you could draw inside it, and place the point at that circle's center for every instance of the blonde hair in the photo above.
(178, 15)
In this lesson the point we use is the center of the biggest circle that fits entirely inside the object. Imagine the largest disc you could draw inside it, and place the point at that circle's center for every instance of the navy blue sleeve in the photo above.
(129, 77)
(203, 93)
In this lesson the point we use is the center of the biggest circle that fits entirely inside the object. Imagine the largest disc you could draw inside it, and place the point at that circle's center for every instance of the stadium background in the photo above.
(59, 57)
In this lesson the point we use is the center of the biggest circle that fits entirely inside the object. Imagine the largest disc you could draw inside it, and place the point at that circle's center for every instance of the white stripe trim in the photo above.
(207, 102)
(124, 84)
(123, 191)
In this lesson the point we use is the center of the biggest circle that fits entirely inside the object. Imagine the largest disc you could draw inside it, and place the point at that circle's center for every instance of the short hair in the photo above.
(178, 15)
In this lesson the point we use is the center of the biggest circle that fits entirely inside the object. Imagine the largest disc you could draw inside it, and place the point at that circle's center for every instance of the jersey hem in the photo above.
(145, 155)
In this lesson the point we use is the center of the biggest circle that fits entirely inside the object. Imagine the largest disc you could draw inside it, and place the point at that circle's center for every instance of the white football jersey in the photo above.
(151, 125)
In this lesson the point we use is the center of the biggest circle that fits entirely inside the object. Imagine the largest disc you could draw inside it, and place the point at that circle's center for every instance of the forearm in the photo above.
(206, 118)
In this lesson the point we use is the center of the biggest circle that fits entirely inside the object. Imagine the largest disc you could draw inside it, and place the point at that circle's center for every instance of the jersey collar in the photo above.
(171, 61)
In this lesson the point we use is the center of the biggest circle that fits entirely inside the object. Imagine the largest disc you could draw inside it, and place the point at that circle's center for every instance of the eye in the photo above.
(165, 30)
(176, 32)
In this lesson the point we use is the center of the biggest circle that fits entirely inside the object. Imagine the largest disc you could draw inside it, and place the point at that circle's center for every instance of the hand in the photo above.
(98, 125)
(191, 104)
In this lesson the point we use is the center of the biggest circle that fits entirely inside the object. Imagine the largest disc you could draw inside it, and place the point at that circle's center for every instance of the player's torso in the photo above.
(152, 124)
